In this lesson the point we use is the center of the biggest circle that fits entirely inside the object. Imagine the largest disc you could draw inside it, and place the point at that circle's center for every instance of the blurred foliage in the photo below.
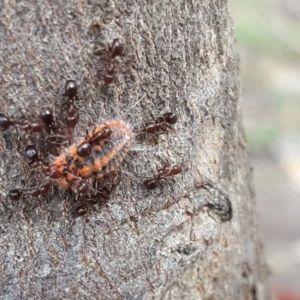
(268, 40)
(251, 30)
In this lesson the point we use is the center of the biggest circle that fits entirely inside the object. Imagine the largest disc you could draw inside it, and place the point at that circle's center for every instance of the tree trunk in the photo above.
(192, 237)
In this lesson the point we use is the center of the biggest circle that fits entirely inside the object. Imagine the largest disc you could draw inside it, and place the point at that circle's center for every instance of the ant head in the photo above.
(150, 184)
(71, 89)
(45, 187)
(171, 118)
(15, 194)
(47, 116)
(105, 133)
(31, 153)
(80, 210)
(84, 150)
(83, 187)
(117, 47)
(4, 122)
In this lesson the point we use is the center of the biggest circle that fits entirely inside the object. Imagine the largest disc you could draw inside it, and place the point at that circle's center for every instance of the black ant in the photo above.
(33, 157)
(5, 122)
(15, 194)
(160, 125)
(154, 182)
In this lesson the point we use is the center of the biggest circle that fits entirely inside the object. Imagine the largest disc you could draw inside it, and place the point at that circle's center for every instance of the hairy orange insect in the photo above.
(93, 157)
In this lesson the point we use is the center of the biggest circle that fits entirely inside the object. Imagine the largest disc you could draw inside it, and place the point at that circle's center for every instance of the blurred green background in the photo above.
(268, 41)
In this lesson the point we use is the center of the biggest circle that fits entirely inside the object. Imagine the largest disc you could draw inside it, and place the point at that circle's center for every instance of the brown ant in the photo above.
(100, 194)
(72, 115)
(167, 171)
(32, 155)
(160, 125)
(47, 122)
(41, 190)
(111, 64)
(47, 117)
(104, 191)
(26, 125)
(154, 182)
(85, 149)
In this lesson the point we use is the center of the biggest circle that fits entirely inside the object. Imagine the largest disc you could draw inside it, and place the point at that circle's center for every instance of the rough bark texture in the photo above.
(167, 244)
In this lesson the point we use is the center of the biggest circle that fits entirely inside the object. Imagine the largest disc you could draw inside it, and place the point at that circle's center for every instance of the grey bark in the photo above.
(175, 242)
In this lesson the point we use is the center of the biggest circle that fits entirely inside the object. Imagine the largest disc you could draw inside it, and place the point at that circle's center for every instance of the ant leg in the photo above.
(56, 140)
(115, 179)
(15, 194)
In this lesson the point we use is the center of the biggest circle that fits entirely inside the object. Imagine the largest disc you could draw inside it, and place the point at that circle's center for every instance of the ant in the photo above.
(154, 182)
(104, 192)
(160, 125)
(26, 125)
(110, 70)
(55, 133)
(85, 149)
(47, 117)
(71, 116)
(47, 122)
(71, 91)
(85, 198)
(33, 157)
(41, 190)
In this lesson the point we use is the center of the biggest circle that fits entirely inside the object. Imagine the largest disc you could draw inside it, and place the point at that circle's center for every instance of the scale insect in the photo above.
(95, 156)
